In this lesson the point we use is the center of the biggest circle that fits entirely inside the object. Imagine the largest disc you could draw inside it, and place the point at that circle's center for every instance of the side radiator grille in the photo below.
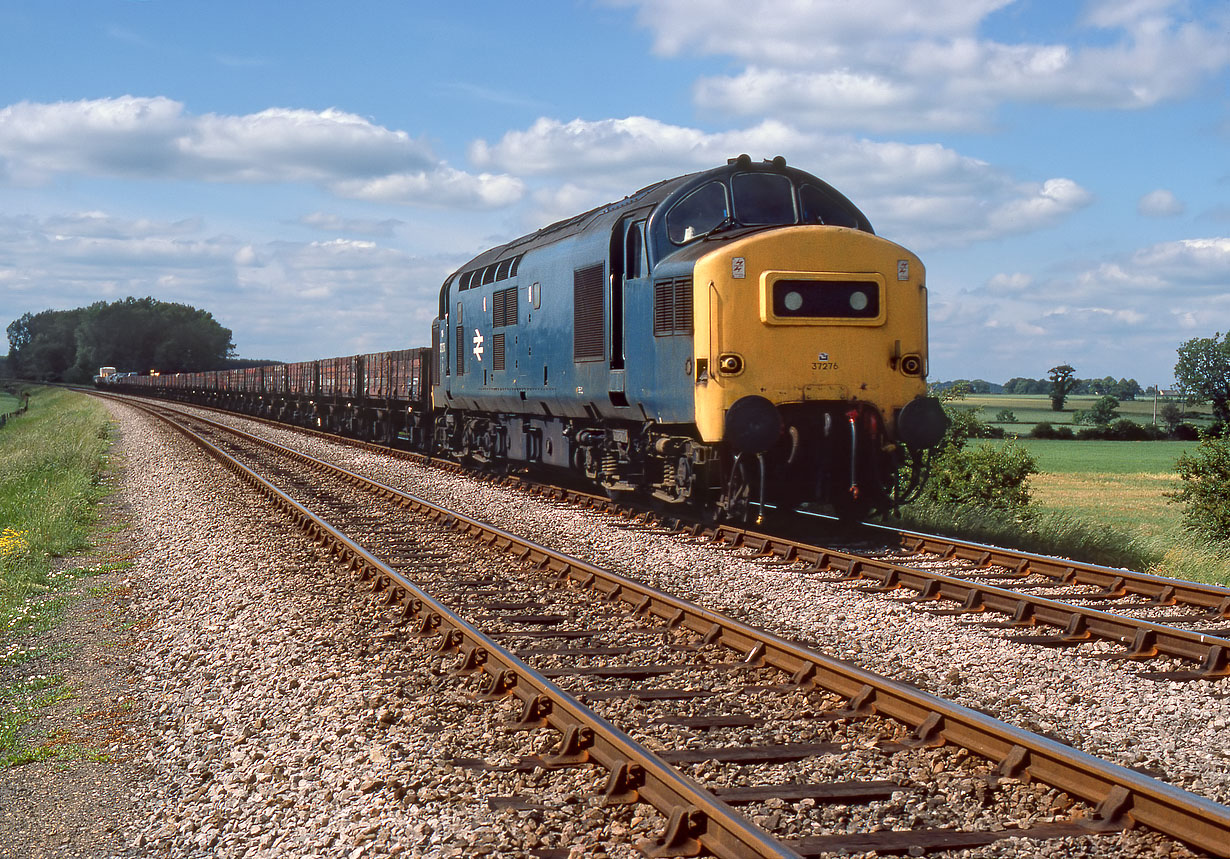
(497, 351)
(672, 306)
(589, 317)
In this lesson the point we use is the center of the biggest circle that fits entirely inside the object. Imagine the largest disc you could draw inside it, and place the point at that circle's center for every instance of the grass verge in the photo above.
(52, 460)
(52, 463)
(1046, 531)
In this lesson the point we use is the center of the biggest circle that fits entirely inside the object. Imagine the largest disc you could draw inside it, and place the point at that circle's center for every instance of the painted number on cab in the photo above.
(822, 362)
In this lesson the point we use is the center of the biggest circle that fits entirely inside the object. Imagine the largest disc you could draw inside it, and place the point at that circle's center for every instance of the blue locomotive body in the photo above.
(540, 326)
(544, 337)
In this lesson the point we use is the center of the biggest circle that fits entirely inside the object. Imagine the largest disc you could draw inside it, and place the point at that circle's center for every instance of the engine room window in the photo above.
(821, 208)
(763, 198)
(698, 213)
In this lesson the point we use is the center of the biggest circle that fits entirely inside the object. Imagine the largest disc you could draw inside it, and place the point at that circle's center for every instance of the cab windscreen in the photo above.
(828, 299)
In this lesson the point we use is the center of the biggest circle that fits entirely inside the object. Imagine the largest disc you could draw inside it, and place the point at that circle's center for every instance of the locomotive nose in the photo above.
(753, 424)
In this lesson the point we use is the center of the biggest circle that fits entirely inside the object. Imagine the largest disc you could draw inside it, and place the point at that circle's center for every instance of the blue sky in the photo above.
(310, 172)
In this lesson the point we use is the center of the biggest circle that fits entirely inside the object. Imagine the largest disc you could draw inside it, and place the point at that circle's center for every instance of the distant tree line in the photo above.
(1121, 389)
(137, 334)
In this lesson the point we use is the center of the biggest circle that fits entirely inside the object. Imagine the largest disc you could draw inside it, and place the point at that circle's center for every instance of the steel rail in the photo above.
(1160, 589)
(1121, 796)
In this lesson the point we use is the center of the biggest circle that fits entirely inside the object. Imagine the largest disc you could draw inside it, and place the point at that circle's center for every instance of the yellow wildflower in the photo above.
(13, 542)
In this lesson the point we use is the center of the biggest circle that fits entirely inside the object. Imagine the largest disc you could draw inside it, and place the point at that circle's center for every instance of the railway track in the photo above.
(1051, 602)
(777, 689)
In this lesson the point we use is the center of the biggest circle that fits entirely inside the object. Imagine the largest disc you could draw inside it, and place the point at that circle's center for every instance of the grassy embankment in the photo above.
(1099, 501)
(52, 461)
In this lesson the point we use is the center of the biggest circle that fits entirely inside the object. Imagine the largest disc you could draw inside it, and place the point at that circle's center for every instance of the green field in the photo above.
(8, 403)
(1031, 409)
(1116, 483)
(1120, 486)
(52, 463)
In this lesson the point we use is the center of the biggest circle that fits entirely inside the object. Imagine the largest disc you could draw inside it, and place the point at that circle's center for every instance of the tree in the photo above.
(1063, 380)
(988, 476)
(138, 334)
(1127, 389)
(1203, 373)
(1103, 411)
(1171, 415)
(44, 344)
(1205, 494)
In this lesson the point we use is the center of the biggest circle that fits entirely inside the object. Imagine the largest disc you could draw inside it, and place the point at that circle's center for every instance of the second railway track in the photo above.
(587, 669)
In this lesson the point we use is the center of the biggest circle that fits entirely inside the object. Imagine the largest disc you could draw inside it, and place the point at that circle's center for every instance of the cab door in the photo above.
(627, 277)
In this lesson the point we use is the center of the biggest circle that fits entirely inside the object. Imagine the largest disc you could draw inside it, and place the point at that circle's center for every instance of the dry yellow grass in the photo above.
(1130, 502)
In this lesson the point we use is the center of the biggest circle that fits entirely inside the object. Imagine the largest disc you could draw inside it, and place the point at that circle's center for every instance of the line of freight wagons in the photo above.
(380, 396)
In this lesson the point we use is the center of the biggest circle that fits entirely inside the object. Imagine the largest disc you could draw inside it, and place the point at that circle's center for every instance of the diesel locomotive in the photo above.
(736, 339)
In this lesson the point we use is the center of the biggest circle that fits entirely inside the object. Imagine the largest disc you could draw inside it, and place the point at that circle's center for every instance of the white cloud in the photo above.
(102, 225)
(284, 300)
(840, 98)
(1039, 207)
(1160, 204)
(952, 199)
(1016, 282)
(363, 226)
(801, 31)
(891, 64)
(550, 146)
(155, 138)
(1123, 314)
(442, 187)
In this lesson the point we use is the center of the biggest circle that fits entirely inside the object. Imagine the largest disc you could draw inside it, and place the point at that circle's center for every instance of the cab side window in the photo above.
(634, 251)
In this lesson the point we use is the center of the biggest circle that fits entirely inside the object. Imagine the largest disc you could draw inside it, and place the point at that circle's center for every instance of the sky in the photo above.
(310, 172)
